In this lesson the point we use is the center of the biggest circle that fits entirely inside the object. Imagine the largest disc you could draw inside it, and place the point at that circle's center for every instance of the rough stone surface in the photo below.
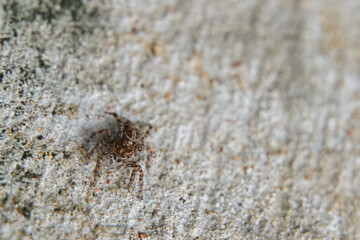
(255, 106)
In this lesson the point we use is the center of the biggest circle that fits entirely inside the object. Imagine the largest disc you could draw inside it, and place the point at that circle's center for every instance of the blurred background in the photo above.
(255, 109)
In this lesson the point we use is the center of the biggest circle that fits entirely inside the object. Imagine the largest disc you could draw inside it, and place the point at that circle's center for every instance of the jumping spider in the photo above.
(123, 146)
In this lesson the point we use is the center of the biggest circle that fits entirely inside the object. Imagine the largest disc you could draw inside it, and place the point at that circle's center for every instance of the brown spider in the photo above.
(123, 146)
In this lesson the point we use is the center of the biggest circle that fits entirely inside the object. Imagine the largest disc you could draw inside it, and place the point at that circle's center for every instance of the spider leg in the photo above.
(120, 123)
(146, 134)
(141, 180)
(98, 133)
(97, 171)
(98, 161)
(137, 168)
(150, 154)
(97, 146)
(115, 116)
(132, 177)
(140, 143)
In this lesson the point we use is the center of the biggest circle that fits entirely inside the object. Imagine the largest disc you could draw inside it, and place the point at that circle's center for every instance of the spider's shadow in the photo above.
(92, 126)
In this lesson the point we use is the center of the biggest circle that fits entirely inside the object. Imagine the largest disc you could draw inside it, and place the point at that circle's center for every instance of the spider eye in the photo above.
(124, 156)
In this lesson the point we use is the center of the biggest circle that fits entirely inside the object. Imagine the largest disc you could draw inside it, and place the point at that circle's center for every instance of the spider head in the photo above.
(125, 149)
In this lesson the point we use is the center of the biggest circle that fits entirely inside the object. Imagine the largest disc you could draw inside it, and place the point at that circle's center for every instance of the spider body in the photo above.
(123, 146)
(125, 149)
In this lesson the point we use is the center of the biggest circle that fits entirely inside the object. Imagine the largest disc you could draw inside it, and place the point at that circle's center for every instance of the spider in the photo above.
(123, 146)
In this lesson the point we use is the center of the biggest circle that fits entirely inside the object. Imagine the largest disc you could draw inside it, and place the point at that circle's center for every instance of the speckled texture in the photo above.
(255, 107)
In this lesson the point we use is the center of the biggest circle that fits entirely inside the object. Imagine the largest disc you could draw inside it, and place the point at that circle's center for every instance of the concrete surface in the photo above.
(255, 106)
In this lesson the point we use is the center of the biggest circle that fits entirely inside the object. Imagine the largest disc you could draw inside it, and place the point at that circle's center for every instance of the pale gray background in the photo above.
(255, 106)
